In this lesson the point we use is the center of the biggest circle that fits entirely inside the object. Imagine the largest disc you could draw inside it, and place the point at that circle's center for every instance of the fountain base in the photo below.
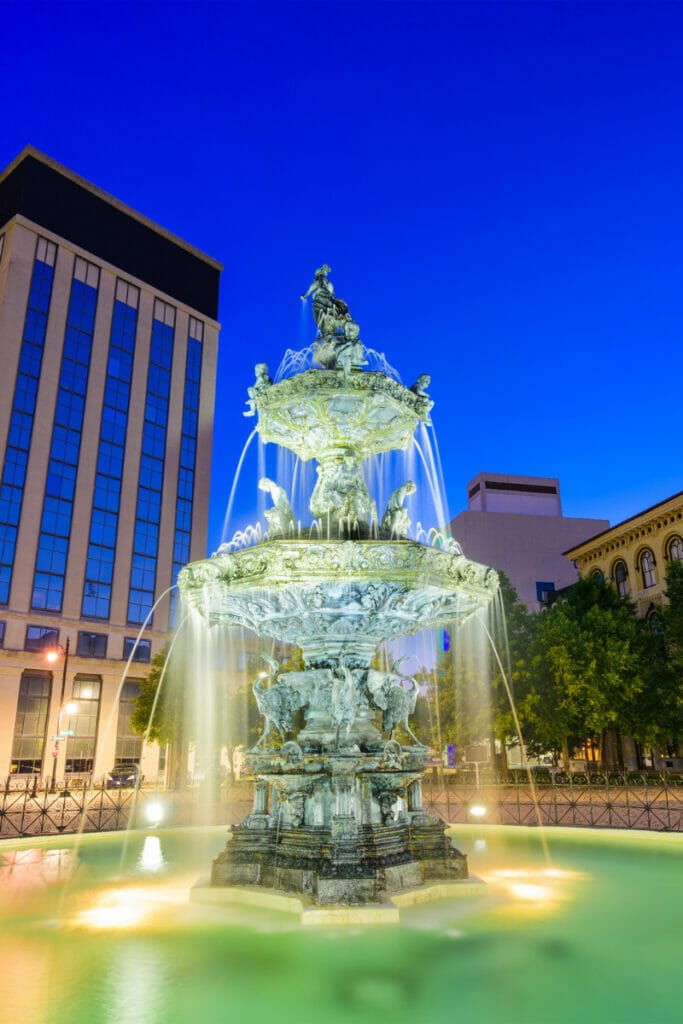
(383, 912)
(340, 827)
(344, 864)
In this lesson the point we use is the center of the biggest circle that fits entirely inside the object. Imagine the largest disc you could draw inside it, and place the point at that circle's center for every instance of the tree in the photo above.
(591, 664)
(159, 713)
(188, 697)
(466, 701)
(665, 690)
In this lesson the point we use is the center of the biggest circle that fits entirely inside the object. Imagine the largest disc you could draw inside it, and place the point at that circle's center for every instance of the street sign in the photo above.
(57, 739)
(66, 732)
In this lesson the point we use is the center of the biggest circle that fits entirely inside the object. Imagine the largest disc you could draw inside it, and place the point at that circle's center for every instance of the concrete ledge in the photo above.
(336, 915)
(380, 913)
(471, 886)
(227, 895)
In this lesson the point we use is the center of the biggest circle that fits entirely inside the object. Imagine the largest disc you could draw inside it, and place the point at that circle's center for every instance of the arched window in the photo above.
(676, 550)
(621, 578)
(597, 576)
(654, 621)
(647, 567)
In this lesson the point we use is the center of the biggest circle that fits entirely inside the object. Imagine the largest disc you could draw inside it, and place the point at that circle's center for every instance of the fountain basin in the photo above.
(298, 590)
(103, 931)
(321, 411)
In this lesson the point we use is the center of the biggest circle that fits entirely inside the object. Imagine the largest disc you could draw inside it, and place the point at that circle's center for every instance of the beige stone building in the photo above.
(633, 555)
(108, 334)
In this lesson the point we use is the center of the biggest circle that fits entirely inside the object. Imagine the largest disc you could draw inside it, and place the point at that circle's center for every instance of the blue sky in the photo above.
(497, 188)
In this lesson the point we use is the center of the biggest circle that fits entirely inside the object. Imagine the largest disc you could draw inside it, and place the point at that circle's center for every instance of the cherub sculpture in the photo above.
(396, 520)
(424, 403)
(261, 384)
(280, 517)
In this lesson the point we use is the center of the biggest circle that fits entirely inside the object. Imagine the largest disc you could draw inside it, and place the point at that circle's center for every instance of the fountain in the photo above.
(337, 813)
(101, 928)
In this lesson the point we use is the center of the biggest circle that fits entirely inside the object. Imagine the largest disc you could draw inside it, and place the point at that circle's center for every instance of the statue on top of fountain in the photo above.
(338, 345)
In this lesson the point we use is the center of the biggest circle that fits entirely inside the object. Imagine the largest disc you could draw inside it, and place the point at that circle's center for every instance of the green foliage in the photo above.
(164, 720)
(665, 692)
(672, 616)
(586, 668)
(590, 649)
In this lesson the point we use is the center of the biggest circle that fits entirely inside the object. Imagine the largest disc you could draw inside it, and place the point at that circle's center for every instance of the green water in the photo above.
(89, 933)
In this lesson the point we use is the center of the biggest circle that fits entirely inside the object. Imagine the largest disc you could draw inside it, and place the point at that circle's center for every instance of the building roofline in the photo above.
(623, 522)
(31, 151)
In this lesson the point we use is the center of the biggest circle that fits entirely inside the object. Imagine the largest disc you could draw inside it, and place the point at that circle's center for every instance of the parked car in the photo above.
(124, 776)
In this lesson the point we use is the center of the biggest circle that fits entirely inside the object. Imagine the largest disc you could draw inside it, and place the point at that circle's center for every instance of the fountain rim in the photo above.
(365, 560)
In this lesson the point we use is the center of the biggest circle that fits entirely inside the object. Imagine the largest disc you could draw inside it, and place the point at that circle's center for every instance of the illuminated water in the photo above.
(594, 939)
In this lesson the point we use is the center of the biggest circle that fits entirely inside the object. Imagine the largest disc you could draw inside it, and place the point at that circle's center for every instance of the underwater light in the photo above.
(478, 810)
(154, 812)
(120, 909)
(530, 893)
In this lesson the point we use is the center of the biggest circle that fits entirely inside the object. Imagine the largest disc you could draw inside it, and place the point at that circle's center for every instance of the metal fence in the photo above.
(628, 801)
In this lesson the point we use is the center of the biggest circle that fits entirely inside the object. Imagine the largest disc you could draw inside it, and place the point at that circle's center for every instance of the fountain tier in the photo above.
(319, 413)
(337, 596)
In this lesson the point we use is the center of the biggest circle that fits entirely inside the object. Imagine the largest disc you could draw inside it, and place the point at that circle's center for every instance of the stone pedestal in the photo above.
(338, 828)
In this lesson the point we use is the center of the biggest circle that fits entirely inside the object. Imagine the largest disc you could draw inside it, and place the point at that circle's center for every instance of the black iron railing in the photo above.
(631, 800)
(650, 801)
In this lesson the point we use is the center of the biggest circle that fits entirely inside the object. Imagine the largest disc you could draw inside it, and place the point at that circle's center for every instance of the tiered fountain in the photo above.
(338, 810)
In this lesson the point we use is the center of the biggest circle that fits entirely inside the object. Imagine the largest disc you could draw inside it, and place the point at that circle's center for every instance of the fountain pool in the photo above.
(101, 929)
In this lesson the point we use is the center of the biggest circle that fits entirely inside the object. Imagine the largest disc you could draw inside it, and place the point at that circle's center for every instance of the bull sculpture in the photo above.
(395, 701)
(277, 703)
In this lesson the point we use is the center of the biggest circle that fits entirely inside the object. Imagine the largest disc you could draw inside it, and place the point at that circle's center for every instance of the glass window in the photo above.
(128, 743)
(543, 591)
(597, 576)
(50, 569)
(2, 634)
(143, 651)
(128, 294)
(80, 748)
(647, 567)
(676, 550)
(188, 448)
(621, 579)
(139, 605)
(92, 645)
(40, 638)
(23, 406)
(96, 600)
(47, 591)
(28, 743)
(164, 313)
(151, 479)
(196, 329)
(46, 252)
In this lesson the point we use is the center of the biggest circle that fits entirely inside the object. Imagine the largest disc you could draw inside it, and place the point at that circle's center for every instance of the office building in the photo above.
(108, 329)
(515, 524)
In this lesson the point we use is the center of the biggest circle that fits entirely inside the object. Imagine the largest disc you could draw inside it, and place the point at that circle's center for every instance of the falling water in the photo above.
(235, 481)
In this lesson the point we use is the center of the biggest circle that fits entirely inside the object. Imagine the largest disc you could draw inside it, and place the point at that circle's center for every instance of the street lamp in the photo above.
(51, 657)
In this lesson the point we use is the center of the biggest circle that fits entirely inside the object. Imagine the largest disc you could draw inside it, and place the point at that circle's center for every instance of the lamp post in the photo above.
(52, 657)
